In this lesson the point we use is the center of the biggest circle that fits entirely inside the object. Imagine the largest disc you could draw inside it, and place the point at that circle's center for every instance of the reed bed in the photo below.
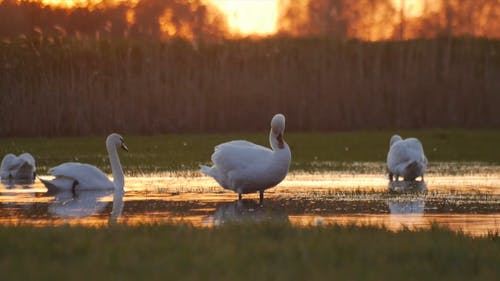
(53, 85)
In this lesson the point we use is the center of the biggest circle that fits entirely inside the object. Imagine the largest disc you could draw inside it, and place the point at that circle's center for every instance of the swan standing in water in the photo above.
(71, 175)
(406, 158)
(20, 167)
(245, 167)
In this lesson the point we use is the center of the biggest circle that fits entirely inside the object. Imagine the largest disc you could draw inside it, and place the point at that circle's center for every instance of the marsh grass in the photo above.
(311, 152)
(83, 86)
(264, 251)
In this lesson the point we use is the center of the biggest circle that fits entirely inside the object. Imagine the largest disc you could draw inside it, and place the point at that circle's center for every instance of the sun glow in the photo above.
(69, 3)
(366, 20)
(247, 17)
(411, 8)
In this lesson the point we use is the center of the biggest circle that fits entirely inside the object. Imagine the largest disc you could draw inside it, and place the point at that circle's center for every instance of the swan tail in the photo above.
(206, 170)
(49, 185)
(214, 173)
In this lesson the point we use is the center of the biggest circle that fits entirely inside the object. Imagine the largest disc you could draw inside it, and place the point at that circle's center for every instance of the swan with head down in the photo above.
(406, 159)
(245, 167)
(79, 176)
(20, 167)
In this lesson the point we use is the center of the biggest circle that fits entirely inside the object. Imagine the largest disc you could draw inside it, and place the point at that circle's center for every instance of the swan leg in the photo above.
(34, 175)
(239, 196)
(261, 196)
(73, 187)
(390, 176)
(397, 177)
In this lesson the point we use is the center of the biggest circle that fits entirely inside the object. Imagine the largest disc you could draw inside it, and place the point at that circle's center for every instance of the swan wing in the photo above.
(28, 159)
(416, 150)
(398, 154)
(9, 163)
(88, 176)
(239, 155)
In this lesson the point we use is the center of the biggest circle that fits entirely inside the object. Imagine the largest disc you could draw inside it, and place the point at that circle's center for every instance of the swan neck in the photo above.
(117, 210)
(116, 166)
(275, 145)
(273, 142)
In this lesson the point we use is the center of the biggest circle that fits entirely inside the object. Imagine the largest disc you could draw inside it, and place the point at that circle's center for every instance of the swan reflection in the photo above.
(406, 206)
(241, 211)
(407, 211)
(78, 204)
(11, 183)
(407, 186)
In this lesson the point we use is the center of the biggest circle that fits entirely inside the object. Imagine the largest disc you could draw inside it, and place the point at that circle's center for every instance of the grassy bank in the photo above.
(310, 151)
(244, 252)
(75, 86)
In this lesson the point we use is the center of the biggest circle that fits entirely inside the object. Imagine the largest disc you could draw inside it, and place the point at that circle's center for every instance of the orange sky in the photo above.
(250, 17)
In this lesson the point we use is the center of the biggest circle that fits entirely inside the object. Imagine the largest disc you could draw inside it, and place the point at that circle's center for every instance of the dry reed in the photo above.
(81, 86)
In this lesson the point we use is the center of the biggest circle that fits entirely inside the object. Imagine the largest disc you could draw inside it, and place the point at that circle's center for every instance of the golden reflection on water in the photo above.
(471, 224)
(302, 200)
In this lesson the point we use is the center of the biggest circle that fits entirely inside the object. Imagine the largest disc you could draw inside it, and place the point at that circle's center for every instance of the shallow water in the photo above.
(468, 203)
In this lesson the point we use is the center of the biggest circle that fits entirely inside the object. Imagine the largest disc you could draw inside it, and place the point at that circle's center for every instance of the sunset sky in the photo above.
(252, 17)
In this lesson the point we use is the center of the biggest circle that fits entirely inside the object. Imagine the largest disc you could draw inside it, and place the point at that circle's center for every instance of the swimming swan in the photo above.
(406, 158)
(71, 175)
(245, 167)
(20, 167)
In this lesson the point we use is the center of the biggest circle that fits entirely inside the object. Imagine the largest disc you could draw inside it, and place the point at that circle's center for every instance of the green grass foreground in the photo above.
(244, 252)
(185, 152)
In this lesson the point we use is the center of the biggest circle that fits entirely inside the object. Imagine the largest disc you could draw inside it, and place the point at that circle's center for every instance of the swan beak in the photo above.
(124, 147)
(281, 142)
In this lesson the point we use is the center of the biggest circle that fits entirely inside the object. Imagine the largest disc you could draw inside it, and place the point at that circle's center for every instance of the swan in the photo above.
(20, 167)
(245, 167)
(72, 176)
(118, 205)
(406, 158)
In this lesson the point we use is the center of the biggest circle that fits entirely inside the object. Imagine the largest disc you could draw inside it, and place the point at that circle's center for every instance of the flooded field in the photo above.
(468, 203)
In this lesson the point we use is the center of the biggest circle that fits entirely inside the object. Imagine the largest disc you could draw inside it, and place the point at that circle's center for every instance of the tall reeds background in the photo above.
(82, 85)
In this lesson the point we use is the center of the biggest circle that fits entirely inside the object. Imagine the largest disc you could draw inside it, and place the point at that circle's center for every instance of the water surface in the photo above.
(468, 203)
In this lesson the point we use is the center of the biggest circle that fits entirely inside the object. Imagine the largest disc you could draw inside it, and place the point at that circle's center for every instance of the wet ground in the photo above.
(468, 203)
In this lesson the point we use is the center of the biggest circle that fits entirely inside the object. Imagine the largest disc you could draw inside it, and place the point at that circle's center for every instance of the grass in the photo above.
(244, 252)
(310, 151)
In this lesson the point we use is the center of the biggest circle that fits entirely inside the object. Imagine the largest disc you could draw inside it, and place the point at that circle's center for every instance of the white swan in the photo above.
(20, 167)
(406, 158)
(71, 175)
(245, 167)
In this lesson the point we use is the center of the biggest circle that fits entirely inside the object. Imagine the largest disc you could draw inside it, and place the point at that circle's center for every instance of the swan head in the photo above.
(277, 130)
(117, 141)
(394, 139)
